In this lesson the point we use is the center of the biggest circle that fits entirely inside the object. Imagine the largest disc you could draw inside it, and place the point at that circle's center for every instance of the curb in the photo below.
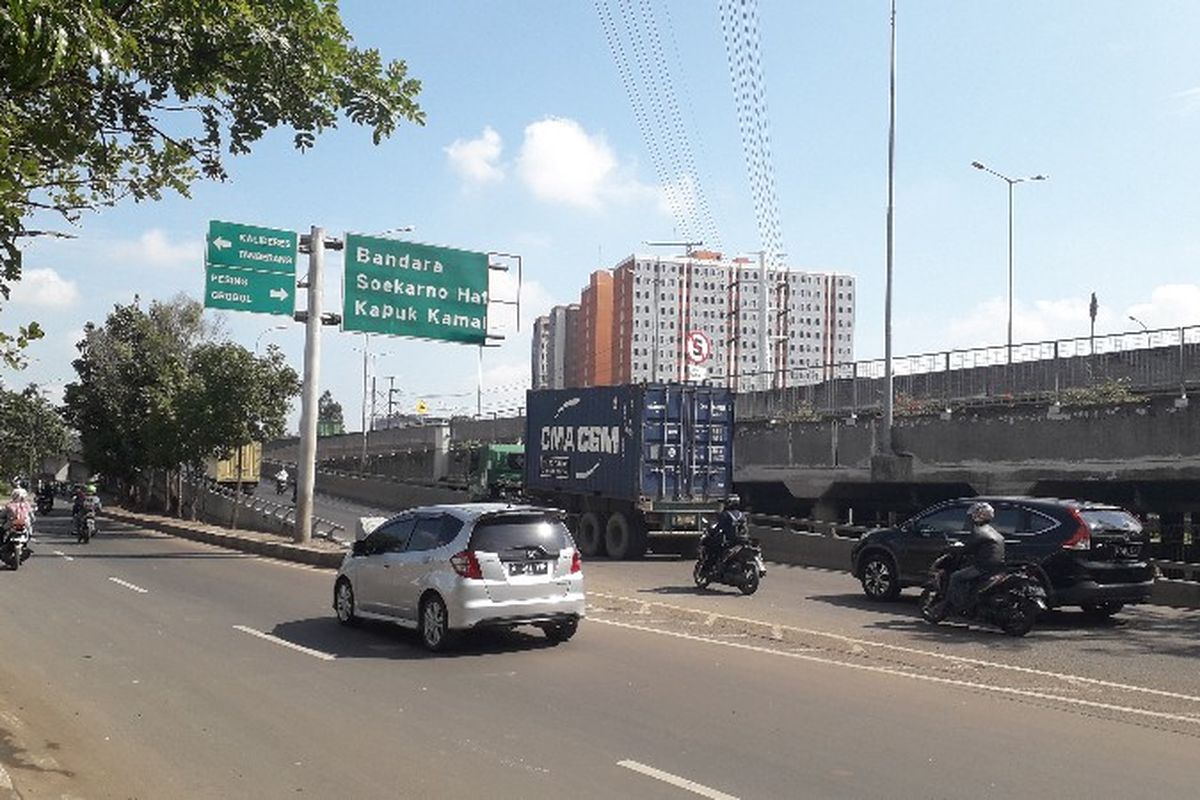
(255, 543)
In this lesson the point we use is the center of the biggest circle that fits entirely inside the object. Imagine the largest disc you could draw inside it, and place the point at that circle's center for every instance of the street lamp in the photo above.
(1139, 322)
(1011, 183)
(258, 340)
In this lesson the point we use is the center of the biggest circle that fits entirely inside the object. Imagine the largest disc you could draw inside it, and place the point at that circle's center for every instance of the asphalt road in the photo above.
(137, 666)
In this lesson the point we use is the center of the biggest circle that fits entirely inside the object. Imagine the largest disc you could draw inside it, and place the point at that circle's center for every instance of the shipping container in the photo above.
(243, 467)
(632, 463)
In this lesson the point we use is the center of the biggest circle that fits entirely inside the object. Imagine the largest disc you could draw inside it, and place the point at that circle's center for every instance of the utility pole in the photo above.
(373, 398)
(885, 433)
(307, 468)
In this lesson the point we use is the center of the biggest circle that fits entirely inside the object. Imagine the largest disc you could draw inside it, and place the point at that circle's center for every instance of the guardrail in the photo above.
(284, 513)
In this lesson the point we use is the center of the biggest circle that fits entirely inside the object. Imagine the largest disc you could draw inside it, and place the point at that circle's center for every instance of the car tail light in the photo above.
(466, 564)
(1081, 539)
(576, 562)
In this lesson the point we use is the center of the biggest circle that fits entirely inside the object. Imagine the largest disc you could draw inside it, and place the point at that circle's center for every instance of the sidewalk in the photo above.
(318, 552)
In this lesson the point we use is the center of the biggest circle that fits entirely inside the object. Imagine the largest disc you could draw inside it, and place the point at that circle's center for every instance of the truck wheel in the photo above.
(624, 538)
(590, 535)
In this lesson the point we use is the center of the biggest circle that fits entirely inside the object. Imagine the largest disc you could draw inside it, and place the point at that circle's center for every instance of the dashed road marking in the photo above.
(65, 557)
(129, 585)
(285, 643)
(675, 780)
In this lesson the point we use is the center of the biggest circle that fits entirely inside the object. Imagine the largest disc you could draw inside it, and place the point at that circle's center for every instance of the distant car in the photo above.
(1086, 554)
(451, 568)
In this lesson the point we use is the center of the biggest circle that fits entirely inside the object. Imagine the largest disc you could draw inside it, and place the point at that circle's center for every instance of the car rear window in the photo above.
(520, 532)
(1110, 519)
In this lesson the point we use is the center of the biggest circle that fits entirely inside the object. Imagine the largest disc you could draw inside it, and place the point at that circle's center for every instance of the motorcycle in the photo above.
(14, 545)
(1011, 600)
(85, 526)
(739, 564)
(45, 504)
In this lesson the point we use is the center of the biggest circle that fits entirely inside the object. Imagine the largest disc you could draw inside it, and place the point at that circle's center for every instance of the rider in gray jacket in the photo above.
(985, 546)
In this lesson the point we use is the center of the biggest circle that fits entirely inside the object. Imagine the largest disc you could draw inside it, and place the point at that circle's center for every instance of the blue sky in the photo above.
(531, 147)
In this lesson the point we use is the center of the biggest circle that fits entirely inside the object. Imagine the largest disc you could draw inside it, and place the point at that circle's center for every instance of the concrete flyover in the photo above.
(1143, 454)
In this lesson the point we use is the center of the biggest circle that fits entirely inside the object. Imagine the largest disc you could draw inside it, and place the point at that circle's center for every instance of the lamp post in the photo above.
(258, 340)
(1011, 183)
(1139, 322)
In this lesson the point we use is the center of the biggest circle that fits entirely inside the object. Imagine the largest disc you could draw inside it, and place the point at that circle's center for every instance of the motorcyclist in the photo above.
(281, 480)
(985, 548)
(18, 511)
(86, 501)
(728, 529)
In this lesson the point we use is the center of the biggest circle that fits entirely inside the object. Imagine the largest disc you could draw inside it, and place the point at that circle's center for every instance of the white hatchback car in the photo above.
(449, 568)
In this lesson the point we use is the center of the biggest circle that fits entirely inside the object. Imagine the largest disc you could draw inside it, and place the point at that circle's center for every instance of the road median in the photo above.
(317, 553)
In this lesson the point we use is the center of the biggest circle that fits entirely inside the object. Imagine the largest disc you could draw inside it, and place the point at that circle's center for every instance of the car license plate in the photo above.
(1128, 551)
(528, 568)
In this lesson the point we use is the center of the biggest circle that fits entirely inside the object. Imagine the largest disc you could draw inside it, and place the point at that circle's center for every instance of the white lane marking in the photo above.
(932, 654)
(913, 675)
(64, 555)
(675, 780)
(285, 643)
(129, 585)
(5, 781)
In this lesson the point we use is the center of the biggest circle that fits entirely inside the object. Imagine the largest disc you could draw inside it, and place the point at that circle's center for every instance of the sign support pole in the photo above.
(307, 468)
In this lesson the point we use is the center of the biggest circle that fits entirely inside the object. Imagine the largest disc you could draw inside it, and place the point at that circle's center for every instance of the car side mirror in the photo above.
(359, 548)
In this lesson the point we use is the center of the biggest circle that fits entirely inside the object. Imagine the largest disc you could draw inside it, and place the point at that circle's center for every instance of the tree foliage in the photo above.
(155, 392)
(329, 410)
(30, 430)
(102, 100)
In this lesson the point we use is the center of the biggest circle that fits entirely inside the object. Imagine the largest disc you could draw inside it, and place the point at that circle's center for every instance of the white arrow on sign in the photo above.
(221, 243)
(279, 294)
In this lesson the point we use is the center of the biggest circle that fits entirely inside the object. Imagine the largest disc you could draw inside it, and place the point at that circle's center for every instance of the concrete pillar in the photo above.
(441, 451)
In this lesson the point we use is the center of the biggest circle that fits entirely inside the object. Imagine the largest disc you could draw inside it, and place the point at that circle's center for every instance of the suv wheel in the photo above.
(558, 632)
(879, 578)
(343, 602)
(435, 624)
(1100, 611)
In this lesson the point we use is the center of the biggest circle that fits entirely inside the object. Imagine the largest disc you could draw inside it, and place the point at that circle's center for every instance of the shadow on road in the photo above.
(905, 604)
(381, 640)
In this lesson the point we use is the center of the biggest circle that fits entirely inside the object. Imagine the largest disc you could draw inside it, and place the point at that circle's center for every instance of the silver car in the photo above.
(446, 569)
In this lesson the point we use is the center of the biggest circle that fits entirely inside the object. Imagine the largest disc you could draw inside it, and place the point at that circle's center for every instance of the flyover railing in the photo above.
(1150, 361)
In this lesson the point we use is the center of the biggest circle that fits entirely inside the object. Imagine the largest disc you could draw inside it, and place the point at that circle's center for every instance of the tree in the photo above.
(30, 430)
(155, 392)
(131, 374)
(329, 412)
(102, 100)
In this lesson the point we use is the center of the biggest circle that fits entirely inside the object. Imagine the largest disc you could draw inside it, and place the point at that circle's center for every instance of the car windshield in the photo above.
(1110, 519)
(521, 532)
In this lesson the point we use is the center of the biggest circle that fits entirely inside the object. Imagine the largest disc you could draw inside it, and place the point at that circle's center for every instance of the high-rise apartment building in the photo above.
(704, 318)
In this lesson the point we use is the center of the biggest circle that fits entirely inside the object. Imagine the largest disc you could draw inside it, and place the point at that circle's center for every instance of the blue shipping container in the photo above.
(661, 445)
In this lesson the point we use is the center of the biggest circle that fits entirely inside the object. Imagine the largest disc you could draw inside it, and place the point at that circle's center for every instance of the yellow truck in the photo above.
(244, 465)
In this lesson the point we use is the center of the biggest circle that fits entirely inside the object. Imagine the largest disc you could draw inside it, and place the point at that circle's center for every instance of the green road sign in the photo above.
(248, 290)
(405, 289)
(251, 247)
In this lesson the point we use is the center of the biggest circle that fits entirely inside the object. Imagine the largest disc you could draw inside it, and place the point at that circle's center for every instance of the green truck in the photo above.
(496, 472)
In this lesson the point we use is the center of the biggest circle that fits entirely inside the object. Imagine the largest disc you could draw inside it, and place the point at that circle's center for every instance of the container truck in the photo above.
(631, 464)
(242, 469)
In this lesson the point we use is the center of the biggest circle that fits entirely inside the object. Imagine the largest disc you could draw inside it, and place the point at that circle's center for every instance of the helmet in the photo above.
(91, 489)
(19, 494)
(981, 513)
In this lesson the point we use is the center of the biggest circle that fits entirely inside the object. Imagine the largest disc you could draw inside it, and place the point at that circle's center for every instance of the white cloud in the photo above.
(1188, 100)
(477, 160)
(1170, 305)
(986, 324)
(45, 288)
(154, 249)
(560, 162)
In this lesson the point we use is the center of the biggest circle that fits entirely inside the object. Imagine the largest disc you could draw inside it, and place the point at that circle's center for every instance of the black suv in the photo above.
(1086, 554)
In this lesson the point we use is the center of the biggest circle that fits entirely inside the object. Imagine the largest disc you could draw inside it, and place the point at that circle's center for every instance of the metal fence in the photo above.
(1158, 361)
